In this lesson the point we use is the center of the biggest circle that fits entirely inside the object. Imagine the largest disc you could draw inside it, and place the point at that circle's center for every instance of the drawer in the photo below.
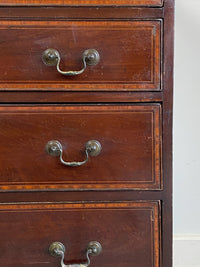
(128, 233)
(129, 136)
(85, 2)
(129, 52)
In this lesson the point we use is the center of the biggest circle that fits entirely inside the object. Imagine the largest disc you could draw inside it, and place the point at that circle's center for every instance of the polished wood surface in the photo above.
(79, 97)
(130, 137)
(36, 210)
(168, 46)
(130, 55)
(85, 2)
(129, 232)
(81, 13)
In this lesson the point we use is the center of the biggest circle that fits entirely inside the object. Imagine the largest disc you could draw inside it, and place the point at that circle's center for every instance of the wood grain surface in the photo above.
(129, 232)
(84, 2)
(130, 137)
(130, 55)
(64, 13)
(133, 225)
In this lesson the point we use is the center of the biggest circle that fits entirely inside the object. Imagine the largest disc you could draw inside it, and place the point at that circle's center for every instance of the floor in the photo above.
(186, 251)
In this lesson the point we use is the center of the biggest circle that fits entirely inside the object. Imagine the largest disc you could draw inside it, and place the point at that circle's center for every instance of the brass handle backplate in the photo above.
(51, 57)
(57, 249)
(54, 148)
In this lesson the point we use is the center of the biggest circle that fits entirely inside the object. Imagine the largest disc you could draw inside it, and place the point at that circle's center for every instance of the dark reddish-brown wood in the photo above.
(129, 51)
(80, 13)
(41, 205)
(84, 2)
(168, 44)
(129, 232)
(130, 137)
(79, 97)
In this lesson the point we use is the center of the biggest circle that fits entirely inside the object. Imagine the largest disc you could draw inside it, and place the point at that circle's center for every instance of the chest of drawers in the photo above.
(86, 133)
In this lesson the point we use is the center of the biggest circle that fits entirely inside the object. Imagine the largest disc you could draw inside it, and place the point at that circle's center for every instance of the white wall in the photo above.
(187, 134)
(187, 118)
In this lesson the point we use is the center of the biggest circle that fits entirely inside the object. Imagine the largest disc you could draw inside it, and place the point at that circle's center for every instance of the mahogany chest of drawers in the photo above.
(86, 92)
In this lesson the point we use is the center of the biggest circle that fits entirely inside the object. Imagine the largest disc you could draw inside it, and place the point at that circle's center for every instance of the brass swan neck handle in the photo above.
(55, 149)
(57, 249)
(51, 57)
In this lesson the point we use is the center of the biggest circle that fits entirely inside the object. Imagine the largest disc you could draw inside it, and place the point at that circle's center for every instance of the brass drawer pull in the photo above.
(51, 57)
(57, 249)
(54, 148)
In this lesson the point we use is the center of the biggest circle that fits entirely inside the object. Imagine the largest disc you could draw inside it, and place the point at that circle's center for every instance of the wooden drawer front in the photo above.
(130, 137)
(129, 55)
(128, 233)
(85, 2)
